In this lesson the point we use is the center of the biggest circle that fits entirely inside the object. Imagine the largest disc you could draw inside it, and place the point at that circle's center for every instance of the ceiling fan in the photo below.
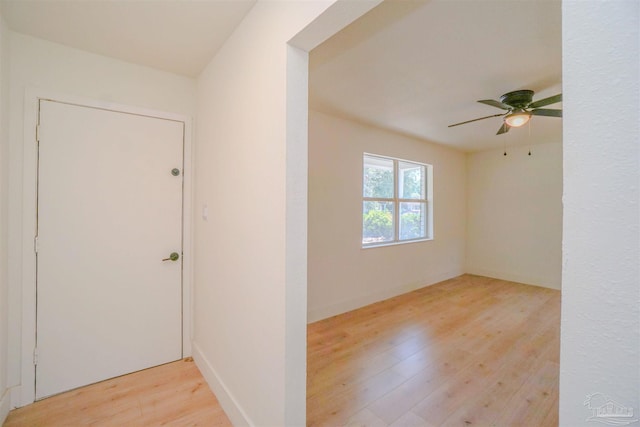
(520, 107)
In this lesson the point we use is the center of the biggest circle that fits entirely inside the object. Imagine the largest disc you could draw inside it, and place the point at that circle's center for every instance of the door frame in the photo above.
(25, 393)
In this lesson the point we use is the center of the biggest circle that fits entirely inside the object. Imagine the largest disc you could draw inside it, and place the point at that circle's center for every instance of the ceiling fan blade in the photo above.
(546, 112)
(503, 129)
(475, 120)
(546, 101)
(494, 103)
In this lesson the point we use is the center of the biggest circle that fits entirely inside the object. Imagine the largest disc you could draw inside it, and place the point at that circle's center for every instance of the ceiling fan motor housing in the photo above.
(518, 98)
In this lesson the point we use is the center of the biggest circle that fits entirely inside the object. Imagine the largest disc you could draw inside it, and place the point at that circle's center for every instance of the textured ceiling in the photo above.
(179, 36)
(417, 66)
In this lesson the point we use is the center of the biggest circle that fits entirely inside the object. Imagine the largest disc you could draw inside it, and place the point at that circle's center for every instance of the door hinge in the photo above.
(35, 356)
(35, 244)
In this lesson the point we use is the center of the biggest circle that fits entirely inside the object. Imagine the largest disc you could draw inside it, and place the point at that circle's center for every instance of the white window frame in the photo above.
(428, 200)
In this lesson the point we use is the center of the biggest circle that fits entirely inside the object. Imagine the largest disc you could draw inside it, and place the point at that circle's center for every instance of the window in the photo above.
(396, 206)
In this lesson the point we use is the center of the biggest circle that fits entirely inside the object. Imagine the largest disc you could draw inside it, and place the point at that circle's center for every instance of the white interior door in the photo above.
(109, 212)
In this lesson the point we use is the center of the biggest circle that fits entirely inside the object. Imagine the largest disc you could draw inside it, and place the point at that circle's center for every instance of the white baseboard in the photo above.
(319, 313)
(5, 405)
(535, 281)
(230, 405)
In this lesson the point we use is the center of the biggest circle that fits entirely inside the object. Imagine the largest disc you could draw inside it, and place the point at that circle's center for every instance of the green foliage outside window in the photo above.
(412, 184)
(411, 226)
(378, 225)
(378, 182)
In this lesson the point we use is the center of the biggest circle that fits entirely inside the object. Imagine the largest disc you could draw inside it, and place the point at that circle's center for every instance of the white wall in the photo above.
(600, 340)
(5, 399)
(514, 214)
(39, 64)
(250, 267)
(342, 276)
(240, 264)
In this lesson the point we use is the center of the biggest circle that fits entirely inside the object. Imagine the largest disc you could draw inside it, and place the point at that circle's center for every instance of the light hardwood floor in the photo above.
(174, 394)
(470, 351)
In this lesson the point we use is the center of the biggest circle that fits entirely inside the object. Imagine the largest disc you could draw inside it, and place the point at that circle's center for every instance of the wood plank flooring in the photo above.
(470, 351)
(174, 394)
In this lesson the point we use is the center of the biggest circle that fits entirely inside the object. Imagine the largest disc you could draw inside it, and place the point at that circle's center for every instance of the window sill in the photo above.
(403, 242)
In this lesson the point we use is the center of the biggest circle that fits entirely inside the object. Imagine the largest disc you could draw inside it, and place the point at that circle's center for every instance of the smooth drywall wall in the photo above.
(241, 224)
(342, 275)
(5, 398)
(41, 65)
(514, 214)
(600, 330)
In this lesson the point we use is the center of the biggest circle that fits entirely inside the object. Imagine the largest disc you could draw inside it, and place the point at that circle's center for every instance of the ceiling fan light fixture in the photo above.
(517, 118)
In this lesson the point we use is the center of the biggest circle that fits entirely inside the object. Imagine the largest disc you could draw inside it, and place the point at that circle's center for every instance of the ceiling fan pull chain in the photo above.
(529, 137)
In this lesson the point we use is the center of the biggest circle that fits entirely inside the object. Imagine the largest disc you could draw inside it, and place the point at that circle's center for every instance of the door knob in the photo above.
(173, 257)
